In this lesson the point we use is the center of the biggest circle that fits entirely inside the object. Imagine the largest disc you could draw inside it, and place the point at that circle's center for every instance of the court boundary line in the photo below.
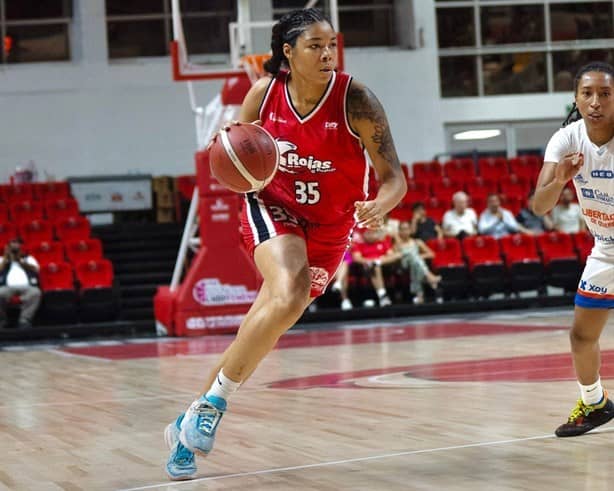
(353, 460)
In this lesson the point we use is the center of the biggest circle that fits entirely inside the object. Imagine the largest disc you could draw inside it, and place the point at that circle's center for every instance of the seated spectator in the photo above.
(340, 281)
(567, 215)
(374, 251)
(461, 220)
(496, 221)
(422, 226)
(531, 221)
(19, 276)
(412, 254)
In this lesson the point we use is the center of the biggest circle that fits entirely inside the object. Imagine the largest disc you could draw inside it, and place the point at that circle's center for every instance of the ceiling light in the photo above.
(476, 134)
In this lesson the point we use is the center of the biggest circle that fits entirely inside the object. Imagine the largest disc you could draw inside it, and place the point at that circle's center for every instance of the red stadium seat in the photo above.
(47, 191)
(36, 231)
(485, 263)
(478, 187)
(449, 263)
(526, 166)
(59, 296)
(445, 188)
(98, 300)
(25, 211)
(95, 273)
(79, 251)
(513, 203)
(4, 213)
(8, 231)
(20, 192)
(493, 168)
(56, 276)
(416, 191)
(47, 252)
(60, 208)
(459, 169)
(73, 228)
(478, 203)
(560, 259)
(523, 262)
(584, 242)
(515, 185)
(436, 208)
(4, 193)
(426, 171)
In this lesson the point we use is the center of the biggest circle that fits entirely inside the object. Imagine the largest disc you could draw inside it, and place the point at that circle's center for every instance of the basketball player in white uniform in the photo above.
(584, 151)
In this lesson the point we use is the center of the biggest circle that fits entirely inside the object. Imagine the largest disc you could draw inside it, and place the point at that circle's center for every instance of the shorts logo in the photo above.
(319, 278)
(592, 288)
(580, 180)
(588, 193)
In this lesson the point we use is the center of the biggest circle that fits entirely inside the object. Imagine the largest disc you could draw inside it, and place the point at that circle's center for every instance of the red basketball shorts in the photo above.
(326, 244)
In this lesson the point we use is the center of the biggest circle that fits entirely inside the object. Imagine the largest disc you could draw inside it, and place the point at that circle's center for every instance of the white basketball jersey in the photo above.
(594, 183)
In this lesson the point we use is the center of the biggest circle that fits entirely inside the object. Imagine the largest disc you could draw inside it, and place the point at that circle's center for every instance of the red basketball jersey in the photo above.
(323, 169)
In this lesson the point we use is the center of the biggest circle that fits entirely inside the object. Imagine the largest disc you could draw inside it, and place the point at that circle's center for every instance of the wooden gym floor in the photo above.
(464, 403)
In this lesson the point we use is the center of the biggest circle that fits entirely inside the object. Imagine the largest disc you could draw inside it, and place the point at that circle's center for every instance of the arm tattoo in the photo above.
(362, 104)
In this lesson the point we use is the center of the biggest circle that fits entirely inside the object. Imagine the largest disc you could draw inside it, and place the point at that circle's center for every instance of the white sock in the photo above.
(593, 393)
(381, 292)
(222, 386)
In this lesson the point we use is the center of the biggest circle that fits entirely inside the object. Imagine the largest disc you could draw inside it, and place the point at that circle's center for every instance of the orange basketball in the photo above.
(244, 158)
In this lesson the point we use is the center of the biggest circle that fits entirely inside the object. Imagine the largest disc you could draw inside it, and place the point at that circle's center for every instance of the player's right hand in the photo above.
(568, 167)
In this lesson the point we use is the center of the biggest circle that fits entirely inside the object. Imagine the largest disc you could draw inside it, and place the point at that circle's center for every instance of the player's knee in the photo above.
(581, 335)
(293, 293)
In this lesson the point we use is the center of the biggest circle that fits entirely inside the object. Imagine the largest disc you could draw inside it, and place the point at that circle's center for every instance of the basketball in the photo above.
(244, 158)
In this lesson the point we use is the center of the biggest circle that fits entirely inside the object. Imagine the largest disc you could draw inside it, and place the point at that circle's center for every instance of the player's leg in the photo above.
(377, 280)
(181, 463)
(590, 316)
(282, 261)
(593, 408)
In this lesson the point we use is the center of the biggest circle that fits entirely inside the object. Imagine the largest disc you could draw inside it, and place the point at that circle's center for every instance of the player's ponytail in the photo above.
(287, 30)
(574, 115)
(595, 66)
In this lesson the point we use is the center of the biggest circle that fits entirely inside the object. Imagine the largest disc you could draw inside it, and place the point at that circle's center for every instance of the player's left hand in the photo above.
(369, 214)
(226, 127)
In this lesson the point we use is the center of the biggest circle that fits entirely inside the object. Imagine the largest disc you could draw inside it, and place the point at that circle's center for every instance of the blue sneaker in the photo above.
(181, 462)
(200, 422)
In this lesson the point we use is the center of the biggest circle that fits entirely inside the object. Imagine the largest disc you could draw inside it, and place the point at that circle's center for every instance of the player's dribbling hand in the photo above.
(368, 214)
(226, 127)
(568, 167)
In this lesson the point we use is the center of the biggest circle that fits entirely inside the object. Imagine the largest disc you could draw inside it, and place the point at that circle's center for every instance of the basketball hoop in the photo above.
(254, 65)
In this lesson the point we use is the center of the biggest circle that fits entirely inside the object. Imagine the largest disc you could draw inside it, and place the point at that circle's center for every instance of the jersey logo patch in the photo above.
(291, 162)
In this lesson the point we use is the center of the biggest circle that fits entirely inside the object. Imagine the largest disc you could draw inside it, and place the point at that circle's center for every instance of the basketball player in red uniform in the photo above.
(298, 227)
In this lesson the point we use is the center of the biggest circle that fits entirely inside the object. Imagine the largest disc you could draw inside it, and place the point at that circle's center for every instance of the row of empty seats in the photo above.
(490, 168)
(515, 262)
(37, 191)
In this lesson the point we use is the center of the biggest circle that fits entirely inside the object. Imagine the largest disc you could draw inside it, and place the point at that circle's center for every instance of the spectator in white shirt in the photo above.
(19, 276)
(497, 221)
(461, 220)
(567, 215)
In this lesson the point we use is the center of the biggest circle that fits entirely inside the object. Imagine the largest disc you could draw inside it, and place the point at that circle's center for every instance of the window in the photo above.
(362, 22)
(498, 47)
(565, 64)
(458, 76)
(34, 31)
(571, 21)
(455, 27)
(143, 28)
(512, 24)
(516, 73)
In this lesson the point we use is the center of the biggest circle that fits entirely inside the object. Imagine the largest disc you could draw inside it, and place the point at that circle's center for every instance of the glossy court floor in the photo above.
(464, 403)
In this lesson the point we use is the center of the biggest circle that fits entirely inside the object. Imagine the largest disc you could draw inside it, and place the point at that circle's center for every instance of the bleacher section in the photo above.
(76, 280)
